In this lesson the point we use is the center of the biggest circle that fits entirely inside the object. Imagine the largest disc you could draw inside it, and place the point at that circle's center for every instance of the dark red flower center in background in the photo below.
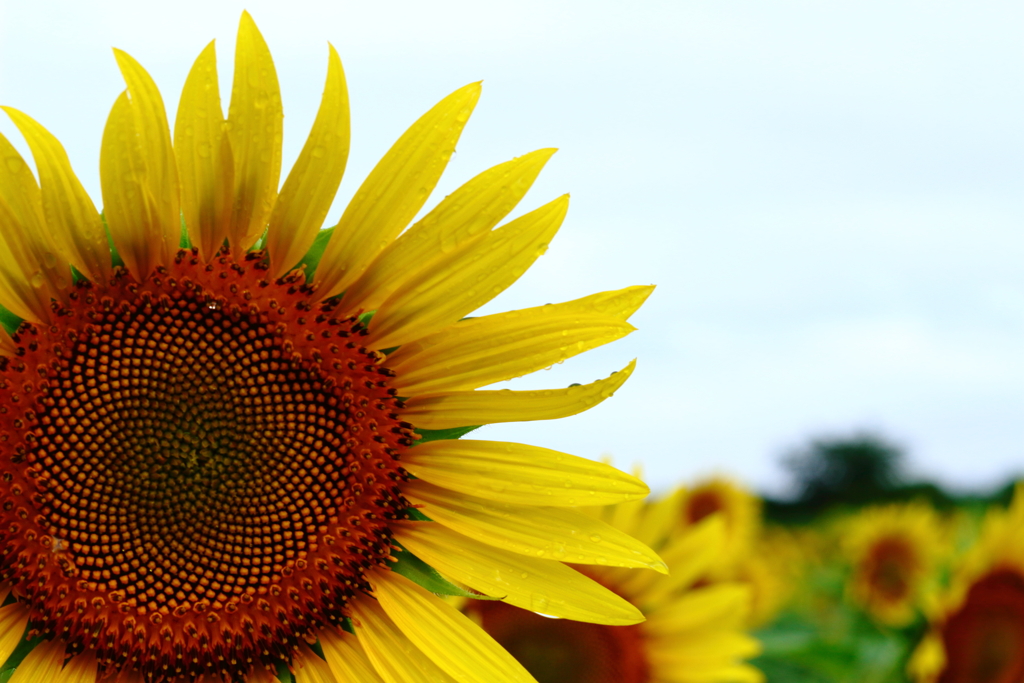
(985, 639)
(703, 504)
(564, 651)
(196, 471)
(889, 568)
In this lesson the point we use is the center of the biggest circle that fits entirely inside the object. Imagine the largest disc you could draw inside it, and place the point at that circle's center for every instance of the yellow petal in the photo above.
(346, 657)
(660, 519)
(13, 622)
(43, 663)
(313, 181)
(70, 214)
(517, 473)
(25, 288)
(203, 153)
(309, 668)
(537, 585)
(26, 233)
(715, 671)
(721, 646)
(18, 188)
(542, 532)
(139, 175)
(456, 644)
(255, 128)
(80, 669)
(688, 557)
(392, 654)
(718, 606)
(394, 191)
(480, 351)
(466, 279)
(449, 409)
(464, 215)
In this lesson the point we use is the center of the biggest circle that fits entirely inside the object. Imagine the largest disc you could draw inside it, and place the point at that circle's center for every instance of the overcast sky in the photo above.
(829, 196)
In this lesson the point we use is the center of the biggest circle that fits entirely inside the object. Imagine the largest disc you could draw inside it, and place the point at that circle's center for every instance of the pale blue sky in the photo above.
(829, 195)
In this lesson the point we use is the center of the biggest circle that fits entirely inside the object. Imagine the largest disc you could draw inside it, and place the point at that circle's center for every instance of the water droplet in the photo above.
(15, 164)
(319, 152)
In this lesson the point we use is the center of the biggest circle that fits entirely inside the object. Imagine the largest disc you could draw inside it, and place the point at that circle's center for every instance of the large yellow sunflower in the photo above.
(894, 553)
(694, 633)
(976, 630)
(206, 452)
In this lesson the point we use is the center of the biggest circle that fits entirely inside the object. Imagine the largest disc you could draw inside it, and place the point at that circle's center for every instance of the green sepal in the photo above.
(346, 625)
(427, 435)
(425, 576)
(417, 516)
(20, 652)
(184, 242)
(115, 258)
(10, 321)
(312, 258)
(283, 674)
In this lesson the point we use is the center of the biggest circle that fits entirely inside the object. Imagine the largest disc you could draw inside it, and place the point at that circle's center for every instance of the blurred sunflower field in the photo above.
(860, 576)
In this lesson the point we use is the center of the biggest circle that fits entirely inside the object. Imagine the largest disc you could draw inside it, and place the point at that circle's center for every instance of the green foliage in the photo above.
(823, 639)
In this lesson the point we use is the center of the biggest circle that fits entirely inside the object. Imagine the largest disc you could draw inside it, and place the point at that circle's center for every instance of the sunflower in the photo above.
(976, 632)
(894, 553)
(209, 407)
(740, 510)
(694, 632)
(772, 569)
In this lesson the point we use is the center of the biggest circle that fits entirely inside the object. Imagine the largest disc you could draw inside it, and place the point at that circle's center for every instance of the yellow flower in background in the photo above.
(206, 454)
(894, 553)
(976, 632)
(741, 513)
(694, 632)
(773, 569)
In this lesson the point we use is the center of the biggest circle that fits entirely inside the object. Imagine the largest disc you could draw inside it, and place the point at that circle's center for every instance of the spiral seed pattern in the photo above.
(196, 470)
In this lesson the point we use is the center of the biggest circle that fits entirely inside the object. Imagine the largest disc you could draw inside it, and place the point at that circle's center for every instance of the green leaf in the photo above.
(312, 258)
(421, 573)
(427, 435)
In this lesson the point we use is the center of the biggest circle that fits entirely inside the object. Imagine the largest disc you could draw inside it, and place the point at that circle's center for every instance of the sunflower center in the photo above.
(204, 462)
(890, 567)
(984, 639)
(703, 504)
(564, 651)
